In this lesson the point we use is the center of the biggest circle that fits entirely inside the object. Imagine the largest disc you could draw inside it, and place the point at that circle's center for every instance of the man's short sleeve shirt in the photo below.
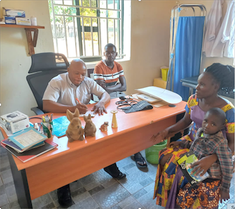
(60, 89)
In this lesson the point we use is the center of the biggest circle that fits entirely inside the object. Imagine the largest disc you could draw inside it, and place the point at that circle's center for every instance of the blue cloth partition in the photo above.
(188, 47)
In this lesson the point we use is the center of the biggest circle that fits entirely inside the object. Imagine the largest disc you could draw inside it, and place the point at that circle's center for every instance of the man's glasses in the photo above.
(110, 53)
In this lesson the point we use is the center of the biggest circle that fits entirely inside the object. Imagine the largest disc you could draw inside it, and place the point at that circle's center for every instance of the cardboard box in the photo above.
(159, 83)
(13, 12)
(22, 21)
(10, 20)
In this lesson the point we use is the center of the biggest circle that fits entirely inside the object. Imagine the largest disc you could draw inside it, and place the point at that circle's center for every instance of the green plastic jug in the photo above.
(152, 153)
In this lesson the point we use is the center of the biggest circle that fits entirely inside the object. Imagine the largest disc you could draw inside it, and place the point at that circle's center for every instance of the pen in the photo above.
(51, 117)
(78, 101)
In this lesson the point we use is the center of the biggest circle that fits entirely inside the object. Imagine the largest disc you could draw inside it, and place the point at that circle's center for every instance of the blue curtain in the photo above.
(188, 47)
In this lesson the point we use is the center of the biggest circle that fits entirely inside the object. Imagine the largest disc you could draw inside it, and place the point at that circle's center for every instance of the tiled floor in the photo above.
(96, 191)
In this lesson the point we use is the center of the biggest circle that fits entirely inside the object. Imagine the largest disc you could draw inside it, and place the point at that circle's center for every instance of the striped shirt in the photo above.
(215, 144)
(110, 76)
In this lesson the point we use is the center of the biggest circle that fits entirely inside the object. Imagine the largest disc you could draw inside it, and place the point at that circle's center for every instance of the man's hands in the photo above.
(224, 195)
(99, 108)
(82, 108)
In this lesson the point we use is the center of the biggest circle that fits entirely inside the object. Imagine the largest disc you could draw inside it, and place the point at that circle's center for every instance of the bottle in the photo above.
(33, 21)
(114, 119)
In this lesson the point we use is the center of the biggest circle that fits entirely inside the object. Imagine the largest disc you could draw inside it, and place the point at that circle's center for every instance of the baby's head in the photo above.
(214, 121)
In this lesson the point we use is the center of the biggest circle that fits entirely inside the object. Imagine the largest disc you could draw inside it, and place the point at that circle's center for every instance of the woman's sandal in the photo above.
(140, 161)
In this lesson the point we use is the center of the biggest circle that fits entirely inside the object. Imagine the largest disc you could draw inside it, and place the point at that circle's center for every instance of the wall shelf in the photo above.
(31, 40)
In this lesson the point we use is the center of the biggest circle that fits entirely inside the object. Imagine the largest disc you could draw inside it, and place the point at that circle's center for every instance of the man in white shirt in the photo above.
(62, 93)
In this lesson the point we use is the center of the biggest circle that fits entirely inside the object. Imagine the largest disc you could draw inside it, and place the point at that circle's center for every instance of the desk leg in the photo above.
(21, 184)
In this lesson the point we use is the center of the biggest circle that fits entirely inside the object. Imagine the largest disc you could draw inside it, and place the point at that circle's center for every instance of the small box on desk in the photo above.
(10, 20)
(13, 12)
(23, 21)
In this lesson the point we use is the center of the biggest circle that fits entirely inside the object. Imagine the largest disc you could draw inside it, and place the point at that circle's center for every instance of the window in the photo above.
(81, 28)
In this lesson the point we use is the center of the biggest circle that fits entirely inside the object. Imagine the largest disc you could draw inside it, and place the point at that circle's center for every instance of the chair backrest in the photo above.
(90, 73)
(44, 67)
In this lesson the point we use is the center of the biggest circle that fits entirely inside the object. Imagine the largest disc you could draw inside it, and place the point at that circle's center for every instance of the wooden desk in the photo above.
(72, 161)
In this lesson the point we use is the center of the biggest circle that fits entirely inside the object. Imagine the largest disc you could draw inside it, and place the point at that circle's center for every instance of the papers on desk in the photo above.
(157, 103)
(87, 113)
(27, 138)
(11, 144)
(32, 153)
(28, 144)
(147, 98)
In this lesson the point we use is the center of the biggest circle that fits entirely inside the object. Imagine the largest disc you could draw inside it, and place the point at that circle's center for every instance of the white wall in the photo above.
(149, 49)
(15, 61)
(150, 36)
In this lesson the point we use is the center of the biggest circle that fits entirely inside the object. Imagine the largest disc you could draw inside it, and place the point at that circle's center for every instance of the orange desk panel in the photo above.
(71, 161)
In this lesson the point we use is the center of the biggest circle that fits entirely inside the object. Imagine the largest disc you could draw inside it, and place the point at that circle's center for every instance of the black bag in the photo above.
(142, 105)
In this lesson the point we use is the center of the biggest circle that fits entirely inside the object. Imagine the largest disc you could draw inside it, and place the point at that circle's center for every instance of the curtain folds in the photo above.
(187, 55)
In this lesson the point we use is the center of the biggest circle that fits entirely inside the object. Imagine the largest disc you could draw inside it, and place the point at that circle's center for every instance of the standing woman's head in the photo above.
(214, 78)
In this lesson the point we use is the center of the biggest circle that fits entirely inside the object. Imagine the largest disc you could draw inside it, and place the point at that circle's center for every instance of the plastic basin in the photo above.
(152, 153)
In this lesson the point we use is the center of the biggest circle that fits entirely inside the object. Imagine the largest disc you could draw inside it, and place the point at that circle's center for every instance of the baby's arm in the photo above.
(225, 159)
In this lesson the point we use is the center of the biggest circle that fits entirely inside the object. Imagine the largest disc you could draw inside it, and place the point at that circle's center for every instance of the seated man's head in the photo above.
(110, 52)
(77, 71)
(214, 121)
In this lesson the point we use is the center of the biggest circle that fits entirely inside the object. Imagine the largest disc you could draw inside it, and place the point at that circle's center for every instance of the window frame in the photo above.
(81, 28)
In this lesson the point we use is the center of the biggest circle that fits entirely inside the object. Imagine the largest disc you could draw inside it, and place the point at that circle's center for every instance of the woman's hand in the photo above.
(175, 144)
(160, 136)
(99, 108)
(202, 165)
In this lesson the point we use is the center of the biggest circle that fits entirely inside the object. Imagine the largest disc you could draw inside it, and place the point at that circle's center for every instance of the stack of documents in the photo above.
(27, 144)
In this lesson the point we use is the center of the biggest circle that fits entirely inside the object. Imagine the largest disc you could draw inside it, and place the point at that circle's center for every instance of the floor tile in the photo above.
(81, 197)
(147, 199)
(130, 203)
(85, 204)
(3, 199)
(98, 190)
(139, 194)
(111, 196)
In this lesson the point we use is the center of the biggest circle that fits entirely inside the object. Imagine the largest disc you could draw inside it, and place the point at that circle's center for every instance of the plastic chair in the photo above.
(44, 67)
